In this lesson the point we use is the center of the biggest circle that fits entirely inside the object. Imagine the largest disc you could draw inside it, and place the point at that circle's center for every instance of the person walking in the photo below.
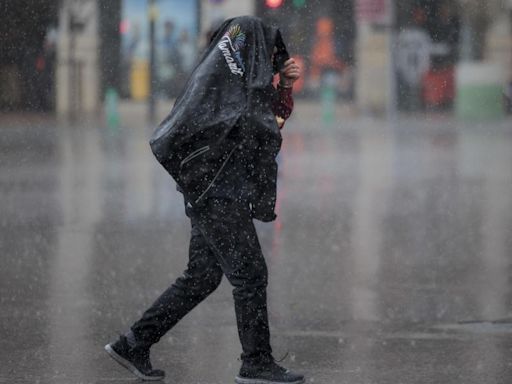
(219, 143)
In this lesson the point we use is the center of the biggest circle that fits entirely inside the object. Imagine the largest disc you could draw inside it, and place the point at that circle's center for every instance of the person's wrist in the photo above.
(285, 83)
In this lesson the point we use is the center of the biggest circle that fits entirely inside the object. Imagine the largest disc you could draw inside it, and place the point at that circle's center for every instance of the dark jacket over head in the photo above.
(224, 112)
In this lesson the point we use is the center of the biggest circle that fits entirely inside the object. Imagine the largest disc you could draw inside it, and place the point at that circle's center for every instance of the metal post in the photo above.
(76, 24)
(72, 92)
(152, 59)
(392, 86)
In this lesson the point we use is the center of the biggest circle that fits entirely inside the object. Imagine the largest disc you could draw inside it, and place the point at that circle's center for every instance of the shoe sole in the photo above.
(243, 380)
(129, 366)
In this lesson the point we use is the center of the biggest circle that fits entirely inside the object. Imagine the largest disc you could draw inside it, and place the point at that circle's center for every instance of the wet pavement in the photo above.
(390, 261)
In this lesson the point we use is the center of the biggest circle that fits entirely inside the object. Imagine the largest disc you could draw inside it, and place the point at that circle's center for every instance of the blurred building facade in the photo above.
(321, 35)
(433, 54)
(409, 55)
(63, 55)
(28, 54)
(412, 54)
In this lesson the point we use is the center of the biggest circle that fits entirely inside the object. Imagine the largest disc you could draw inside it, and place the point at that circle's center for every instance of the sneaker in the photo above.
(136, 360)
(267, 373)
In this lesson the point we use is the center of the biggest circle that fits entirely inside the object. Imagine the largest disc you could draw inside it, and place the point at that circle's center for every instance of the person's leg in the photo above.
(202, 276)
(230, 232)
(229, 229)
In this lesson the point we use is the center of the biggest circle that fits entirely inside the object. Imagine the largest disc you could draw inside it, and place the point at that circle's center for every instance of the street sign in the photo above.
(373, 11)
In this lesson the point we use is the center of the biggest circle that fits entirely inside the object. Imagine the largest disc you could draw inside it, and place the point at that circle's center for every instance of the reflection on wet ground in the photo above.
(388, 263)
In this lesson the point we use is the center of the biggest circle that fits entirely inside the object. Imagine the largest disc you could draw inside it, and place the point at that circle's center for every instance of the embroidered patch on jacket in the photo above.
(230, 45)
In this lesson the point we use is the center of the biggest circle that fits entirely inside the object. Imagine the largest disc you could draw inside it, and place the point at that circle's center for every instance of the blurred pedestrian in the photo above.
(219, 143)
(45, 69)
(323, 53)
(170, 63)
(186, 51)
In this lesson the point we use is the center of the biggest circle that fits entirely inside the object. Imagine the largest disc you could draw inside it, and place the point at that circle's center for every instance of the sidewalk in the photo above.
(311, 116)
(389, 261)
(135, 113)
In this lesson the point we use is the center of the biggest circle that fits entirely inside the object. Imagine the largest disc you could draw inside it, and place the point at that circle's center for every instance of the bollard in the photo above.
(328, 97)
(112, 109)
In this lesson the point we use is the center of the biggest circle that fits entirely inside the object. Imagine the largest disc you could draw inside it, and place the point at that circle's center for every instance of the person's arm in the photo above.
(282, 106)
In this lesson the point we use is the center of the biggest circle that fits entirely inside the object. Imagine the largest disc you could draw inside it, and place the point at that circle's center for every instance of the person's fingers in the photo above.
(291, 68)
(292, 71)
(290, 65)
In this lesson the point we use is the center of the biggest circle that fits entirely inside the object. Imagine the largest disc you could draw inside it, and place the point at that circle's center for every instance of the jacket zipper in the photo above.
(194, 154)
(216, 175)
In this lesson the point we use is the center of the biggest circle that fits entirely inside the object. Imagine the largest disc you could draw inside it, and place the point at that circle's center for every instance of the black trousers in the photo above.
(223, 242)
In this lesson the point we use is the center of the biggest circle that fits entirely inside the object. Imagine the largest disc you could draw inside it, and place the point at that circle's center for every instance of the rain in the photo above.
(256, 191)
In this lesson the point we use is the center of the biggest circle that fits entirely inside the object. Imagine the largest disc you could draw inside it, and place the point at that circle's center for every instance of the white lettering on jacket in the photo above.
(226, 47)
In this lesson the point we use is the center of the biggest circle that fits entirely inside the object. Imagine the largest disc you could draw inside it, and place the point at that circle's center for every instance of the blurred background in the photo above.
(390, 260)
(377, 56)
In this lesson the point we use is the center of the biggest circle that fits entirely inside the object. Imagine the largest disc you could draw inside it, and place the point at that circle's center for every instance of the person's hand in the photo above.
(290, 73)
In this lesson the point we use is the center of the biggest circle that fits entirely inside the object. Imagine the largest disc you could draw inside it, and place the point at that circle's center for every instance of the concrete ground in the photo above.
(389, 263)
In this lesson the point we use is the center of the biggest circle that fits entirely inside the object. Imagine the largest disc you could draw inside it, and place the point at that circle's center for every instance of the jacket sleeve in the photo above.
(282, 105)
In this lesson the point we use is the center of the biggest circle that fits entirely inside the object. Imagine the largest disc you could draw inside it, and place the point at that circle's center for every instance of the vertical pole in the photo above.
(392, 86)
(152, 59)
(71, 68)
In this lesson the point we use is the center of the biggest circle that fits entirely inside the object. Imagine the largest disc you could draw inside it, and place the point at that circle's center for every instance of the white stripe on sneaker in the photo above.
(244, 380)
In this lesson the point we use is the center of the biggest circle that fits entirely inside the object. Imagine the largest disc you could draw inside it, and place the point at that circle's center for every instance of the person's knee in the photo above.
(213, 280)
(251, 281)
(201, 284)
(261, 276)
